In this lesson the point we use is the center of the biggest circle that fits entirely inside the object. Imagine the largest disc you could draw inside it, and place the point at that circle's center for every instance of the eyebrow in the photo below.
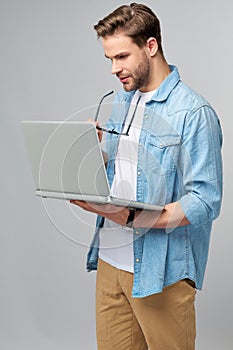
(118, 55)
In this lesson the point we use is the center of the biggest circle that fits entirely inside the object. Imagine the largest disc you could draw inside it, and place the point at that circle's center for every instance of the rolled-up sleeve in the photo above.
(200, 164)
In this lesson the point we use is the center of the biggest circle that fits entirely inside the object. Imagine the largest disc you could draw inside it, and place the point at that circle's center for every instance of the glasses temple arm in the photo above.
(98, 109)
(131, 121)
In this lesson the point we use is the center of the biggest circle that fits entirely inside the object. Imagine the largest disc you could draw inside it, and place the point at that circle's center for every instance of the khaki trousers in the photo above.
(164, 321)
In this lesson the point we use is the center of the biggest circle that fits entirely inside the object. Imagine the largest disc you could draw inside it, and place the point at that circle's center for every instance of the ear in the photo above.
(152, 46)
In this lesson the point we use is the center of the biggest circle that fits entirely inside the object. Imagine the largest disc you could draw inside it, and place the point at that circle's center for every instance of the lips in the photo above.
(123, 79)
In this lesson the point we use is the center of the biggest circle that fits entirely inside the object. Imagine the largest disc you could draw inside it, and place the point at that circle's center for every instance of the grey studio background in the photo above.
(51, 67)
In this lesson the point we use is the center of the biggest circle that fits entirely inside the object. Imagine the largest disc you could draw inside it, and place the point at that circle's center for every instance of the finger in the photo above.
(77, 202)
(85, 205)
(92, 121)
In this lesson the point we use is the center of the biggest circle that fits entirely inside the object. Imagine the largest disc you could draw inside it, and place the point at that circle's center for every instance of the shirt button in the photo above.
(139, 173)
(137, 232)
(146, 117)
(137, 260)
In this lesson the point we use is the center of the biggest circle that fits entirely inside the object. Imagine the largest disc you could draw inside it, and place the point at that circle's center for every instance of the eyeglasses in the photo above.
(114, 131)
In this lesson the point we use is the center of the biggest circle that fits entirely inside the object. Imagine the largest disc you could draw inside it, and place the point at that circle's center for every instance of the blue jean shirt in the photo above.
(179, 159)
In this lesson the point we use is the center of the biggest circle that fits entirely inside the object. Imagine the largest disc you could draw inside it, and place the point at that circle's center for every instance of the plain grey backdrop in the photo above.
(53, 68)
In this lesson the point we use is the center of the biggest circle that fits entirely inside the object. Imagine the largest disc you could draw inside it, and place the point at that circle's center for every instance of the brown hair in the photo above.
(137, 21)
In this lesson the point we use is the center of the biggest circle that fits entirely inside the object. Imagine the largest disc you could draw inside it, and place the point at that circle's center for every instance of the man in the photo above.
(150, 266)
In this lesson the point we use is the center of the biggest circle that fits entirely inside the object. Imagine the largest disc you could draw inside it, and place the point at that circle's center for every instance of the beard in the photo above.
(140, 77)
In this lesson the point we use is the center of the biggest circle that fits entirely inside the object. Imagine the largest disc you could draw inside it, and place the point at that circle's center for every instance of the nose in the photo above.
(116, 68)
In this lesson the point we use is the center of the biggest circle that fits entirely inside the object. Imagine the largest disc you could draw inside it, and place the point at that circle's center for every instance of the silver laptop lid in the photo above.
(66, 157)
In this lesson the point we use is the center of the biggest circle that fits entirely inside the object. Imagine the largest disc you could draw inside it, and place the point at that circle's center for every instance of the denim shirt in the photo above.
(179, 159)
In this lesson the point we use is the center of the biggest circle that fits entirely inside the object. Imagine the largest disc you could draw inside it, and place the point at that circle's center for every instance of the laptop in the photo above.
(67, 163)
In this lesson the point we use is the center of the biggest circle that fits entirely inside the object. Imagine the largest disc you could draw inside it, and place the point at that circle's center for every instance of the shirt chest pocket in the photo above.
(164, 153)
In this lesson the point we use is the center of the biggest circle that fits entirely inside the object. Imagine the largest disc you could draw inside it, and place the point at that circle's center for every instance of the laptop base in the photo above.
(99, 200)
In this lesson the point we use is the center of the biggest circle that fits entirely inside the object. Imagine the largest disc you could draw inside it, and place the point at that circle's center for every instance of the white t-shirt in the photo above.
(116, 242)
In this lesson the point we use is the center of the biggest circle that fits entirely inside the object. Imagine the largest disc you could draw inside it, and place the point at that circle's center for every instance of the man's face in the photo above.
(130, 63)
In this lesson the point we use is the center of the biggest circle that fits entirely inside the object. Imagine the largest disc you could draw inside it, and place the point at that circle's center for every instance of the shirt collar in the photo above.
(167, 85)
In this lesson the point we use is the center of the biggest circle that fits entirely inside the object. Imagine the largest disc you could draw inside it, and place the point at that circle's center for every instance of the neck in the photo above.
(159, 71)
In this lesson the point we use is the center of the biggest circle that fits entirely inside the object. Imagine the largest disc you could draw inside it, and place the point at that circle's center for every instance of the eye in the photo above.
(123, 56)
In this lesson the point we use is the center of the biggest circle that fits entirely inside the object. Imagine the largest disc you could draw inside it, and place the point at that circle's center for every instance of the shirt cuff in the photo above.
(194, 209)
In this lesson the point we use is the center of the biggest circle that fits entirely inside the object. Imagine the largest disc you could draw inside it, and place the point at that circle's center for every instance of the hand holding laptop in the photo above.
(109, 211)
(142, 219)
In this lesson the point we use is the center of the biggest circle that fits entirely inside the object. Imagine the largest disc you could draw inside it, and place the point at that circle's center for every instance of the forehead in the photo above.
(115, 44)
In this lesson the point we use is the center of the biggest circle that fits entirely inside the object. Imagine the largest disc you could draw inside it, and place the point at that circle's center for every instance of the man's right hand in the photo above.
(99, 132)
